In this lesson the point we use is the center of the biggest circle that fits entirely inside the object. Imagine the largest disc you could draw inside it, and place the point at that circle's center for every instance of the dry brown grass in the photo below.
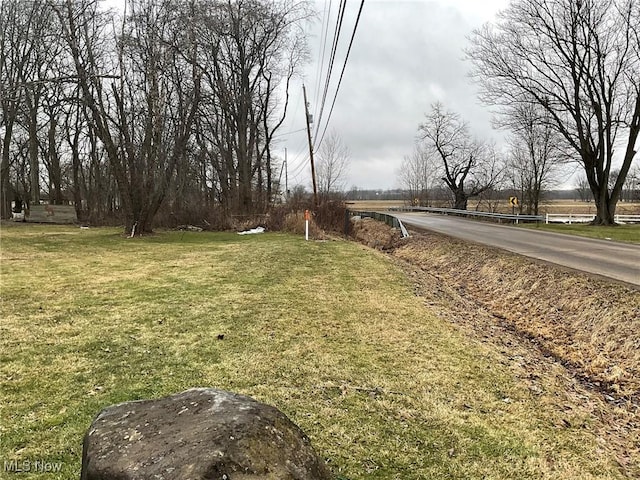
(294, 222)
(369, 205)
(568, 206)
(589, 324)
(558, 390)
(374, 234)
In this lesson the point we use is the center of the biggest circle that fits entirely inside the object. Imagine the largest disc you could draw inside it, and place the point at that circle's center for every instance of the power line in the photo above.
(298, 169)
(289, 133)
(353, 34)
(334, 47)
(323, 46)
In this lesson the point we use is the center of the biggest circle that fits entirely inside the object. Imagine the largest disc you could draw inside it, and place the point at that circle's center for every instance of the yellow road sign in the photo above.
(513, 201)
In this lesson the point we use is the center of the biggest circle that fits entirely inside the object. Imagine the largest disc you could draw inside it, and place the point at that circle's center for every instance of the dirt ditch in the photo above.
(543, 318)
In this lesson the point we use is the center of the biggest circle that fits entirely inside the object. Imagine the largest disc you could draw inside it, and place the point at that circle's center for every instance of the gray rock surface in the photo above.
(198, 434)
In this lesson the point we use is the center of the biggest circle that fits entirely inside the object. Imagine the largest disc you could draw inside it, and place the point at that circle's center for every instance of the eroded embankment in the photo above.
(590, 324)
(571, 338)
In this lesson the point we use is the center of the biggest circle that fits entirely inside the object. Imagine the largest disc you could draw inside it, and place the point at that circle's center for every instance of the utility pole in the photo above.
(313, 168)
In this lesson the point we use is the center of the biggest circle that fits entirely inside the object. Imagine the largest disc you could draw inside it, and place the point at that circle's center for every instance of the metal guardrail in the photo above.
(515, 218)
(390, 220)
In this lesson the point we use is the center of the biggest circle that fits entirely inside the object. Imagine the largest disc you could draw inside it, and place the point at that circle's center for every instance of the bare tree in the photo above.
(53, 106)
(21, 28)
(332, 163)
(40, 99)
(418, 174)
(579, 61)
(44, 98)
(143, 112)
(537, 153)
(168, 106)
(251, 50)
(633, 184)
(470, 166)
(582, 189)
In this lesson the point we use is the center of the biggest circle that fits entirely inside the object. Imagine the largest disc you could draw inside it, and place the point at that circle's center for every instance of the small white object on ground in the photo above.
(252, 231)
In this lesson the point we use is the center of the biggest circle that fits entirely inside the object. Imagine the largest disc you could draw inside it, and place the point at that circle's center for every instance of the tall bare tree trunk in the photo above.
(32, 100)
(5, 184)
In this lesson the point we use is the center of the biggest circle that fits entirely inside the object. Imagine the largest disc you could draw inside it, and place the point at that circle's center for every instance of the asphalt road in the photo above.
(619, 261)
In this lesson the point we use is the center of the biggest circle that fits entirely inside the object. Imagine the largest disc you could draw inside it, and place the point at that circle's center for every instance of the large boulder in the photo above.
(201, 433)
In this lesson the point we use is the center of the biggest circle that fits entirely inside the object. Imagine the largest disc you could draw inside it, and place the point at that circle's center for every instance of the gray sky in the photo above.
(407, 54)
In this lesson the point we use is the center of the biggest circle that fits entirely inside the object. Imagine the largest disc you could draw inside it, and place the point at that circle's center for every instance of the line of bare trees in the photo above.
(564, 77)
(168, 108)
(575, 64)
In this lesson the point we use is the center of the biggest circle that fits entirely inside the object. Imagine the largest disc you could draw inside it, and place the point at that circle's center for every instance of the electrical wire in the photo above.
(289, 133)
(353, 34)
(301, 151)
(323, 47)
(297, 171)
(334, 47)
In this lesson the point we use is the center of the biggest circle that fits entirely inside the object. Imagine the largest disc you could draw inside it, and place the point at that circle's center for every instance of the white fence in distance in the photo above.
(570, 218)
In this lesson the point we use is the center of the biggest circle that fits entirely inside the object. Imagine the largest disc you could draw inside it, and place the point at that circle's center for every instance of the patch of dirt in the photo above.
(557, 329)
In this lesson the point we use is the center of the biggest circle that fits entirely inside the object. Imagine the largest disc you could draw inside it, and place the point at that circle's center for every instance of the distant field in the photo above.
(564, 206)
(331, 333)
(556, 206)
(373, 204)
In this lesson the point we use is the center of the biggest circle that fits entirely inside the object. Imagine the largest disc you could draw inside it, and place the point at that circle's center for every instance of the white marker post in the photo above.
(307, 215)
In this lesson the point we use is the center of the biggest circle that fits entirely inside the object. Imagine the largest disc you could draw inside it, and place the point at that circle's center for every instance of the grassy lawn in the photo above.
(331, 333)
(620, 233)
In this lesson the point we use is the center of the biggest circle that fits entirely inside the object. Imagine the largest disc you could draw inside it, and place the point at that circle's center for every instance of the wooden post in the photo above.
(313, 168)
